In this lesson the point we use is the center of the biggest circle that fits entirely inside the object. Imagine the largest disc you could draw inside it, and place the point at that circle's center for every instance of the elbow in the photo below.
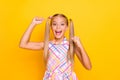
(21, 45)
(89, 67)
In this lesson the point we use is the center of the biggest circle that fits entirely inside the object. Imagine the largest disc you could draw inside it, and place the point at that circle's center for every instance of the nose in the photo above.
(58, 26)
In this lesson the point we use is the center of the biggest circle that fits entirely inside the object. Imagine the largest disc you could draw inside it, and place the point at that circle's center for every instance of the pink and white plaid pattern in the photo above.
(58, 67)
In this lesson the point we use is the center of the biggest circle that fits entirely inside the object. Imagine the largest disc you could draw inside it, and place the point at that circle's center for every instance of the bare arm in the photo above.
(81, 53)
(25, 40)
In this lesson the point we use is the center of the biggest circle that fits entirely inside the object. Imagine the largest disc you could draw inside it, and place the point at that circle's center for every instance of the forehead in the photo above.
(59, 18)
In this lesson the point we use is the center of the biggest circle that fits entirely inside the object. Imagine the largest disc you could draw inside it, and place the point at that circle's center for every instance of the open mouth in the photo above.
(58, 32)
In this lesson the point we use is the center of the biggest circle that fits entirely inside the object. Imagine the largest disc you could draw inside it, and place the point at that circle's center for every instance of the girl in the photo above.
(59, 51)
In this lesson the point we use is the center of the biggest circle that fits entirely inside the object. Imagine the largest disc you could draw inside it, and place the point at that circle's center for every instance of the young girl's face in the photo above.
(59, 26)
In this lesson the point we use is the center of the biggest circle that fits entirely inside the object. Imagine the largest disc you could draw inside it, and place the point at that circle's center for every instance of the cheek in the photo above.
(64, 28)
(52, 28)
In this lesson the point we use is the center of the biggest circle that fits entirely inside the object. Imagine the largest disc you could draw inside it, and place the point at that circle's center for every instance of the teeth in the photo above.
(58, 32)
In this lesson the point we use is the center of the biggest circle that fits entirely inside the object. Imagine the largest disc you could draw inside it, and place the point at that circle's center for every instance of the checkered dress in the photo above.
(58, 67)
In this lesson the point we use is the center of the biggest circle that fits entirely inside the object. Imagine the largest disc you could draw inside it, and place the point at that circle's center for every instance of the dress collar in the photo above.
(62, 42)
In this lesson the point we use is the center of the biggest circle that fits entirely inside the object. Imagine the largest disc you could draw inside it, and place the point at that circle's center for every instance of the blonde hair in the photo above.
(47, 35)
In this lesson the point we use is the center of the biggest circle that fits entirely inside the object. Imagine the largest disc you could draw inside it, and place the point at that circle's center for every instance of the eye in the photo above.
(62, 24)
(54, 24)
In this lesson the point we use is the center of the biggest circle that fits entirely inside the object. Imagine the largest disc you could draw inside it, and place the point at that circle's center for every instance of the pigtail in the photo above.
(46, 40)
(71, 49)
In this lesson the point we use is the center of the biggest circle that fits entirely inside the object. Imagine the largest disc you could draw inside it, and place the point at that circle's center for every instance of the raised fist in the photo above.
(37, 20)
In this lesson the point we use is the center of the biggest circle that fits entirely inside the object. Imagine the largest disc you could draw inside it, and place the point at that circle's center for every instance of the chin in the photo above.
(59, 36)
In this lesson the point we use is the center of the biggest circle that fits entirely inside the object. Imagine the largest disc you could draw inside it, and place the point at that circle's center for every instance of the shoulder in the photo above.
(66, 41)
(50, 43)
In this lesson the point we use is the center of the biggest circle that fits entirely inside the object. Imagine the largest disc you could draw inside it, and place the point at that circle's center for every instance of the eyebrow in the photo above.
(62, 21)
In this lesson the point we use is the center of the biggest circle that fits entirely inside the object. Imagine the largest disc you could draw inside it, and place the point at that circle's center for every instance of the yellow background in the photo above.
(97, 23)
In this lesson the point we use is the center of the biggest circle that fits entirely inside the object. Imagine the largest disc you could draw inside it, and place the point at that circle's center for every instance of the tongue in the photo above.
(58, 33)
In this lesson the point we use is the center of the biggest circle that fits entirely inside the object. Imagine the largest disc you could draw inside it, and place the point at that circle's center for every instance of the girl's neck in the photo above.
(57, 41)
